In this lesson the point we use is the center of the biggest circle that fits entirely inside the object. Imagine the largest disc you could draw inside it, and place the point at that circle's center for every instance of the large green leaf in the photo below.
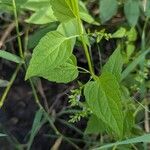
(108, 8)
(53, 50)
(64, 10)
(132, 11)
(114, 64)
(104, 99)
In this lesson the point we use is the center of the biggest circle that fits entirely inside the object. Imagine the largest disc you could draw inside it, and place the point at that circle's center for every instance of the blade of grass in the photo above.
(133, 64)
(37, 124)
(145, 138)
(10, 57)
(9, 86)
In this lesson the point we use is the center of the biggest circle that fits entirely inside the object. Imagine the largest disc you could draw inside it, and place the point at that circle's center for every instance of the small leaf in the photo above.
(3, 83)
(108, 8)
(10, 57)
(121, 32)
(132, 35)
(132, 11)
(104, 99)
(94, 126)
(85, 16)
(114, 64)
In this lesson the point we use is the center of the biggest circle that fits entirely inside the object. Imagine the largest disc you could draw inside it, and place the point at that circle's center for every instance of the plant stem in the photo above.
(17, 29)
(9, 85)
(21, 53)
(81, 32)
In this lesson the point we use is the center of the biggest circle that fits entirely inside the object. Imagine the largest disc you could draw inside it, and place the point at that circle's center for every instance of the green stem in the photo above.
(9, 85)
(17, 29)
(81, 32)
(21, 53)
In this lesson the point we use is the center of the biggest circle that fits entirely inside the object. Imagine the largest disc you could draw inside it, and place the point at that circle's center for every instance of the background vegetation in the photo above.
(74, 74)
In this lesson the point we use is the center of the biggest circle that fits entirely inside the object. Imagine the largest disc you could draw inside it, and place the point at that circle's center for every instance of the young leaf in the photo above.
(104, 99)
(114, 64)
(132, 11)
(53, 50)
(108, 8)
(144, 138)
(94, 126)
(10, 57)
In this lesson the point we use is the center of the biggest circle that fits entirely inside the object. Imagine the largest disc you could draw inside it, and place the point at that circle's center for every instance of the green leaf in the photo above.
(94, 126)
(147, 8)
(132, 35)
(108, 8)
(85, 16)
(35, 5)
(64, 10)
(39, 33)
(144, 138)
(3, 83)
(132, 11)
(104, 99)
(10, 57)
(133, 64)
(37, 124)
(114, 64)
(62, 74)
(42, 16)
(121, 32)
(52, 51)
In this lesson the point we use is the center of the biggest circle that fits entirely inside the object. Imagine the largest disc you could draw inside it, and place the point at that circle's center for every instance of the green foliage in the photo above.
(132, 11)
(10, 57)
(144, 138)
(95, 126)
(50, 56)
(108, 8)
(43, 12)
(104, 99)
(114, 64)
